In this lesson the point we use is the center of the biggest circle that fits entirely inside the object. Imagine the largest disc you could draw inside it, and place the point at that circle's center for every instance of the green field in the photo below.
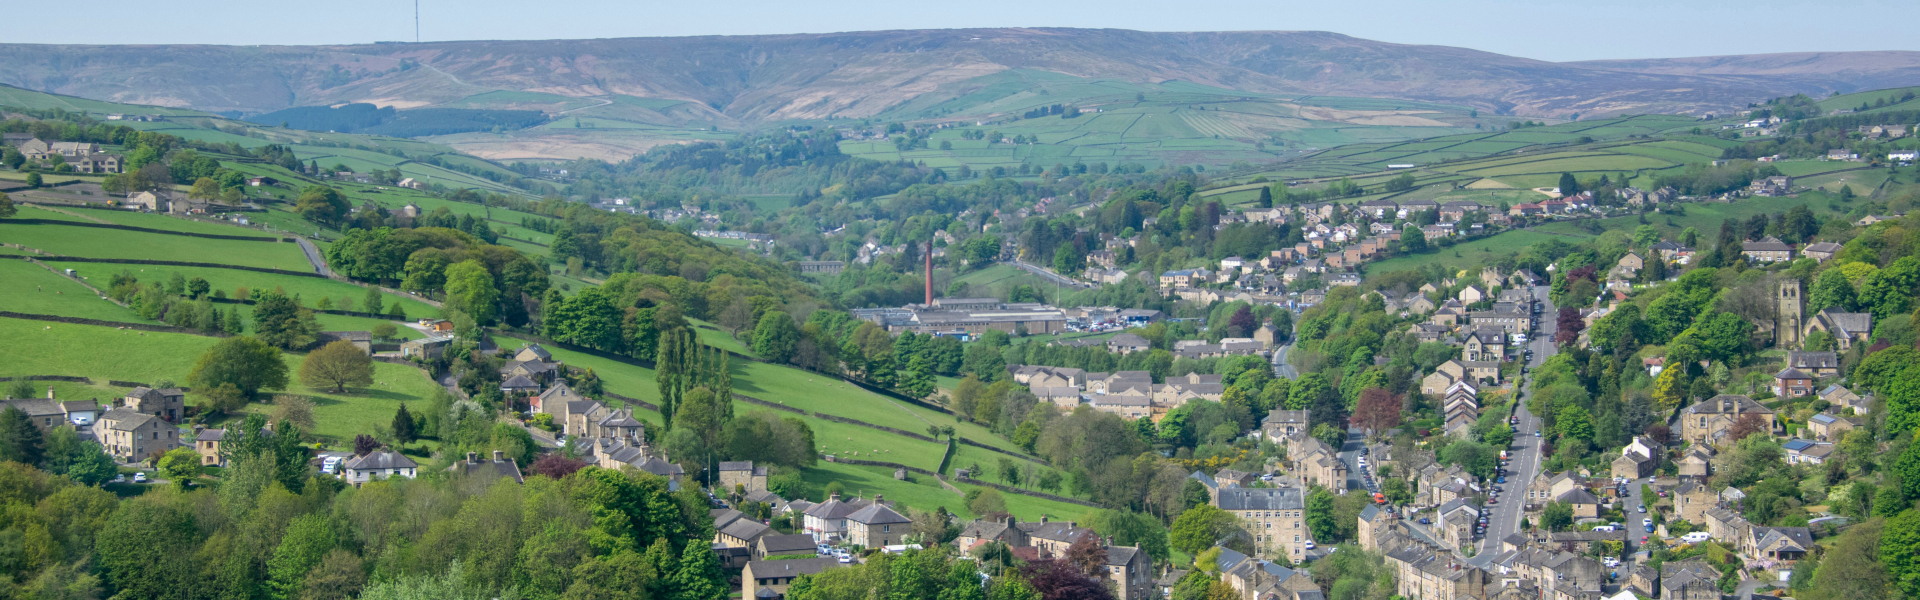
(32, 289)
(1705, 218)
(310, 289)
(1468, 254)
(108, 243)
(102, 353)
(998, 281)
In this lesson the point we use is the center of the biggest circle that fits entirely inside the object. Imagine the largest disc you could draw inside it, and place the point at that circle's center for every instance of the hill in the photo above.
(627, 95)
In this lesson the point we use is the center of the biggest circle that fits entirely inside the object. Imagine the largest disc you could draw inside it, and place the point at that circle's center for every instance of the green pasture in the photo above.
(1468, 254)
(35, 290)
(103, 353)
(94, 242)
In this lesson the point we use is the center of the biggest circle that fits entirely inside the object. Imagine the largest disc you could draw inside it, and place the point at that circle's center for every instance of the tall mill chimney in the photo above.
(929, 258)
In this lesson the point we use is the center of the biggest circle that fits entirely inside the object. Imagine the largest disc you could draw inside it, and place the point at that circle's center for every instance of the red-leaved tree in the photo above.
(1570, 325)
(555, 466)
(1378, 410)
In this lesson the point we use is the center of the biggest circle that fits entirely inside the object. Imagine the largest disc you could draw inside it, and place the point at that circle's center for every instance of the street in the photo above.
(1280, 366)
(1524, 462)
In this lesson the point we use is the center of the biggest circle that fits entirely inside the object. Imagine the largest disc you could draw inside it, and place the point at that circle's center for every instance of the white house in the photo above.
(378, 465)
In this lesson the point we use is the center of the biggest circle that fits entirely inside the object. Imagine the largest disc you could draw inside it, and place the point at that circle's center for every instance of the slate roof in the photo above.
(1261, 499)
(876, 514)
(786, 543)
(380, 460)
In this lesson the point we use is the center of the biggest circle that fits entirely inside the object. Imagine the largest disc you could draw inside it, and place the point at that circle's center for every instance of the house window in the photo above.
(886, 529)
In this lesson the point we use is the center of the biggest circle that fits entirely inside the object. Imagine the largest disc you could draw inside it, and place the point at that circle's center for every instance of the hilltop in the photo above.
(660, 90)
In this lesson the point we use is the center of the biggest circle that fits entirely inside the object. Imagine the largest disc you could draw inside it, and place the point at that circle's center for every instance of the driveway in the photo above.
(1056, 278)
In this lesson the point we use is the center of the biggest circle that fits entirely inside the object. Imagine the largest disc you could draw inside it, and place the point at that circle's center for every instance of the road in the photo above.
(1280, 366)
(313, 256)
(1524, 464)
(1050, 275)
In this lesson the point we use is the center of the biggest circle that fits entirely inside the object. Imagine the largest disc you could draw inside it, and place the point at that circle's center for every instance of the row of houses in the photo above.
(1130, 394)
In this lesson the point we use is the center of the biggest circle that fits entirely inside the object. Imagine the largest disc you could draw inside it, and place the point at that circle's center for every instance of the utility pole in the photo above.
(416, 21)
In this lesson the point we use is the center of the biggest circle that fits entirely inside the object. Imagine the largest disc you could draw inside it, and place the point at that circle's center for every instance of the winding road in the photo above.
(313, 256)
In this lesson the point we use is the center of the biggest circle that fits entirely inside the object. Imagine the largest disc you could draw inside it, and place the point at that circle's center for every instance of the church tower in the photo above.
(1786, 331)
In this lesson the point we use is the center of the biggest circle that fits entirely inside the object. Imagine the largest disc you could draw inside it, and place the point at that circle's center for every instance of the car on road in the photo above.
(1536, 434)
(1501, 479)
(1643, 508)
(1309, 544)
(1425, 521)
(140, 477)
(121, 478)
(1493, 501)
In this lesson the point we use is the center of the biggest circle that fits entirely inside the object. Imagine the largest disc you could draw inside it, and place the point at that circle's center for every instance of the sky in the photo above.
(1556, 30)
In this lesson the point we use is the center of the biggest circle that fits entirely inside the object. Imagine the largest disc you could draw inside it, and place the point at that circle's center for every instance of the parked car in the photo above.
(121, 478)
(1643, 508)
(1309, 544)
(140, 477)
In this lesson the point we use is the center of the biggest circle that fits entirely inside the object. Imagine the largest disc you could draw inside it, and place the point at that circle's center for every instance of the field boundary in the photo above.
(876, 463)
(211, 236)
(167, 263)
(1032, 459)
(100, 323)
(1014, 490)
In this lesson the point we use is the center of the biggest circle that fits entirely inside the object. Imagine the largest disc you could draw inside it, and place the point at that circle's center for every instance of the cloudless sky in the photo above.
(1557, 30)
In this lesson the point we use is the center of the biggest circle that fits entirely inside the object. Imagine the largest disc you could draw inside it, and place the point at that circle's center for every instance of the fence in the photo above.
(119, 324)
(876, 463)
(772, 405)
(1034, 460)
(171, 263)
(838, 419)
(211, 236)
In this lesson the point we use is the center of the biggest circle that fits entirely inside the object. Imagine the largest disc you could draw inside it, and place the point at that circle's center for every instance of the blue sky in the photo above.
(1556, 30)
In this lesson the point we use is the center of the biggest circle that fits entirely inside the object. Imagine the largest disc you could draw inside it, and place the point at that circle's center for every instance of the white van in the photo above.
(1696, 537)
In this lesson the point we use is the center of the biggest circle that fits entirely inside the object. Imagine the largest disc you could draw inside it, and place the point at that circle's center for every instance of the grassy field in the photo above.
(998, 281)
(310, 289)
(101, 353)
(35, 290)
(108, 243)
(1468, 254)
(1705, 218)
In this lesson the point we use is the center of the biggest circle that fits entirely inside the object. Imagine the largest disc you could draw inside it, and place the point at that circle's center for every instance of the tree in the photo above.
(20, 440)
(1569, 326)
(1558, 516)
(1200, 527)
(337, 365)
(307, 540)
(321, 204)
(470, 290)
(80, 459)
(384, 331)
(296, 410)
(1900, 551)
(775, 338)
(404, 429)
(1413, 240)
(986, 503)
(204, 188)
(246, 363)
(1748, 424)
(1830, 290)
(1902, 392)
(372, 302)
(1377, 411)
(6, 206)
(1573, 422)
(1397, 491)
(34, 181)
(1568, 185)
(1320, 518)
(180, 465)
(282, 322)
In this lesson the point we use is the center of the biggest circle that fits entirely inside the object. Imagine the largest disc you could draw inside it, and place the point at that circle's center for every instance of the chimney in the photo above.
(473, 457)
(49, 392)
(929, 257)
(877, 500)
(499, 456)
(833, 497)
(1043, 518)
(1009, 520)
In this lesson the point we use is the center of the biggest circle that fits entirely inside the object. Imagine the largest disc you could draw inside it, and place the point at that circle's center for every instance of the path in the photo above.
(71, 213)
(313, 256)
(603, 102)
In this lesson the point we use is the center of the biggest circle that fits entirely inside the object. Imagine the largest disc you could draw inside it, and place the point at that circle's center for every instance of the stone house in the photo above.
(130, 435)
(1767, 250)
(207, 444)
(742, 475)
(770, 578)
(1707, 422)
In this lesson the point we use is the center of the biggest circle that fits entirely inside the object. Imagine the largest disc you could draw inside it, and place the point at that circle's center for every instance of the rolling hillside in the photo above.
(625, 95)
